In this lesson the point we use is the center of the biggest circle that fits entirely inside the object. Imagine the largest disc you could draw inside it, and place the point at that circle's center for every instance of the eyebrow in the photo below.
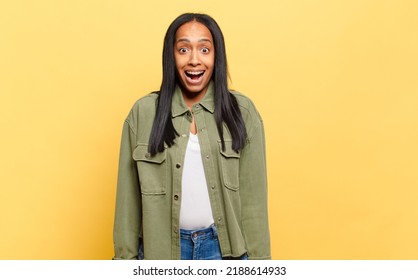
(188, 41)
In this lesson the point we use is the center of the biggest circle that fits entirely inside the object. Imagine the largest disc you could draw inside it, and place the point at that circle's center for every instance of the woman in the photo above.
(192, 171)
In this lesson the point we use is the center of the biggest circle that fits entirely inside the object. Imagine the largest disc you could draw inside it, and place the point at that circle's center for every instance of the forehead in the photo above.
(193, 31)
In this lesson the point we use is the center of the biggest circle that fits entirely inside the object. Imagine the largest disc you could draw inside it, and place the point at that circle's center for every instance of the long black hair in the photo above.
(226, 106)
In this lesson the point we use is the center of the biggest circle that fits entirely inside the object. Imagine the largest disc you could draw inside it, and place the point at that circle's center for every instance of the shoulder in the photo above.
(146, 102)
(250, 115)
(144, 105)
(143, 110)
(247, 106)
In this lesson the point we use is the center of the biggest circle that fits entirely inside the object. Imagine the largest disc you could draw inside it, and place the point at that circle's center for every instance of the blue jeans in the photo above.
(201, 244)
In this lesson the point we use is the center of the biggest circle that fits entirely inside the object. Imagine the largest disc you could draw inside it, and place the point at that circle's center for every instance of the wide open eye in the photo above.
(204, 50)
(183, 50)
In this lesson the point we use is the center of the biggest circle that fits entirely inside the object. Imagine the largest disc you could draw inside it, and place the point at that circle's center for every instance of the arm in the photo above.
(127, 224)
(253, 192)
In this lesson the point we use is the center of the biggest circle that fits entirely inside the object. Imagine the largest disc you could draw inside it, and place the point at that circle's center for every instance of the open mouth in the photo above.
(194, 75)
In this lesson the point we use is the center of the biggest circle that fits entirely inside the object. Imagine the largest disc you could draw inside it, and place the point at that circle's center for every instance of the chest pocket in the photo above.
(152, 170)
(229, 166)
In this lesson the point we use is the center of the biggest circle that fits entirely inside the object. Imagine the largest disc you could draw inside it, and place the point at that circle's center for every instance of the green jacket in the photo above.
(149, 187)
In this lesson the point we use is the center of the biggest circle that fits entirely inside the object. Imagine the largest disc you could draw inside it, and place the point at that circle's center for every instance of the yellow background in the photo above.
(335, 81)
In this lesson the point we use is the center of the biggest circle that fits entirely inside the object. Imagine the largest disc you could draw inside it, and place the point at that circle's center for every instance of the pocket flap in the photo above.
(141, 154)
(229, 152)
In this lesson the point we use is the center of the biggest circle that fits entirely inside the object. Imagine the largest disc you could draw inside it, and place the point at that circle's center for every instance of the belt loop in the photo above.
(214, 230)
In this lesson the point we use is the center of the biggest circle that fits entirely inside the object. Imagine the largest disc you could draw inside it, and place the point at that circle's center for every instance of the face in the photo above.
(194, 53)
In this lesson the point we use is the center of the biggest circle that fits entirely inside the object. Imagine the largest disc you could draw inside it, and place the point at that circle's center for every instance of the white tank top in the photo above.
(195, 211)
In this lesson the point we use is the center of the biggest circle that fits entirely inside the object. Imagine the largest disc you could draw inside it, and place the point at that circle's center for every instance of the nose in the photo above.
(194, 58)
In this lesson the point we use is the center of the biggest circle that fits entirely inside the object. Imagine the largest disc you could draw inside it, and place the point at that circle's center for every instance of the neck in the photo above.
(191, 98)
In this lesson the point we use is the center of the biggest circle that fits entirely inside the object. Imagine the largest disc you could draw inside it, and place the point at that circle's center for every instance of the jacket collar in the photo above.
(179, 107)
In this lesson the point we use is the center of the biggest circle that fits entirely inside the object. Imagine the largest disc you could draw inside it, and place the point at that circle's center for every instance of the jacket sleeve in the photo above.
(127, 224)
(253, 192)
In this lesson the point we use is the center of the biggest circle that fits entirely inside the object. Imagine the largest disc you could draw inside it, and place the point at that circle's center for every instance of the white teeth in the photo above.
(194, 72)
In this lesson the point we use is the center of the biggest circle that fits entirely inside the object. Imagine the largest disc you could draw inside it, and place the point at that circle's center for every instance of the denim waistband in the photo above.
(199, 233)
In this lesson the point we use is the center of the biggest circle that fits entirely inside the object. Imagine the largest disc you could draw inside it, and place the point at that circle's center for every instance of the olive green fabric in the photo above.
(149, 187)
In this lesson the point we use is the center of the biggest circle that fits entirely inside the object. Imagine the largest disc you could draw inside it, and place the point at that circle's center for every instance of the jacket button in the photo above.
(178, 165)
(176, 197)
